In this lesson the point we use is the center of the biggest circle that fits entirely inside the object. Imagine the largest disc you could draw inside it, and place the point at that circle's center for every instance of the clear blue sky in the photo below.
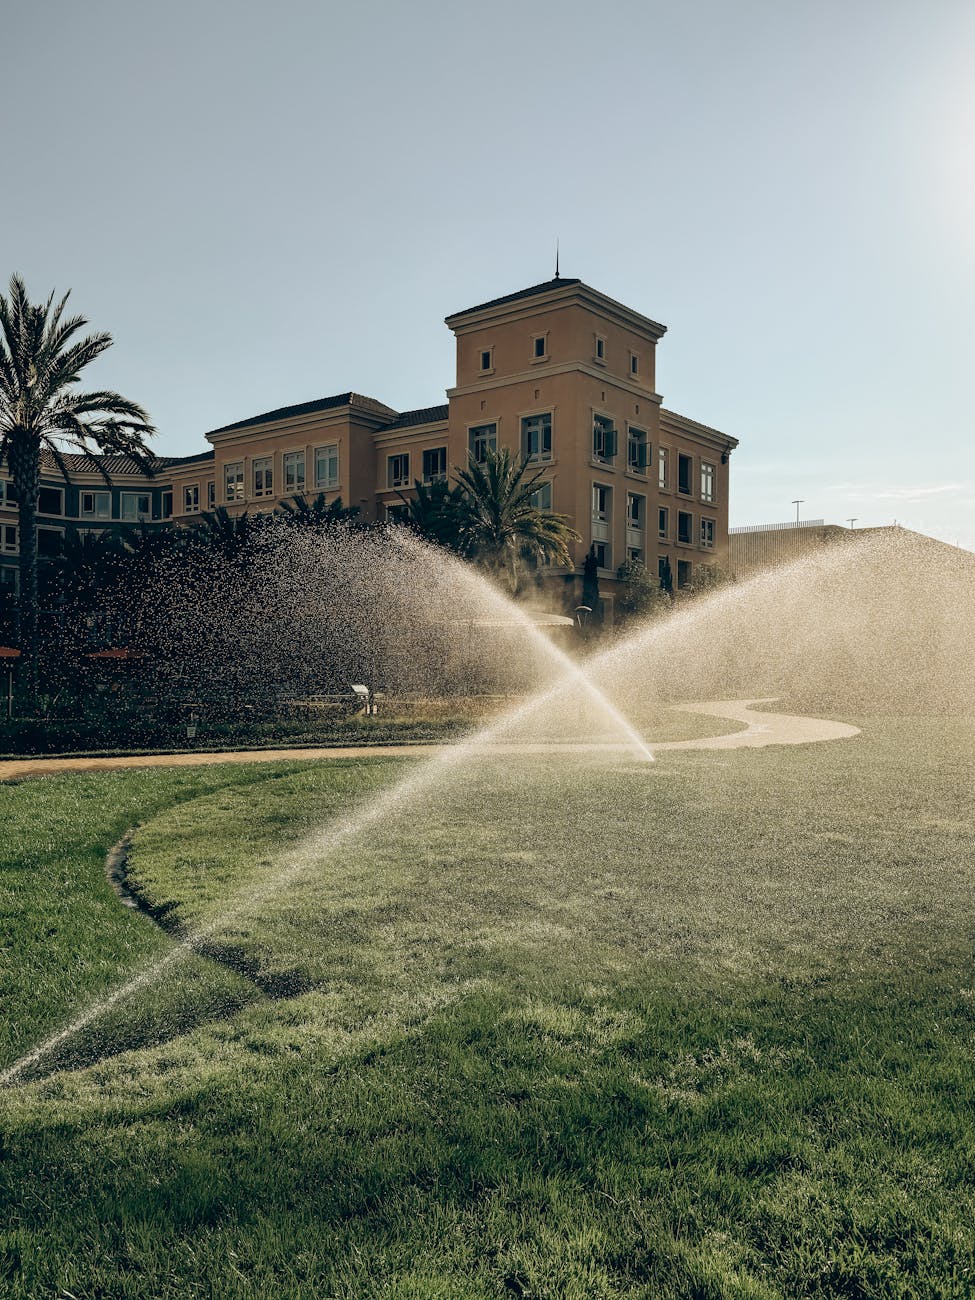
(270, 203)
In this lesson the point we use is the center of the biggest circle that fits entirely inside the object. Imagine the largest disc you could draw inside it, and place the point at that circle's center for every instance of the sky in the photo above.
(269, 204)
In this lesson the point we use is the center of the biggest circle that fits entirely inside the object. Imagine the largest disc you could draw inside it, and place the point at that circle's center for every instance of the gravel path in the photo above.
(759, 729)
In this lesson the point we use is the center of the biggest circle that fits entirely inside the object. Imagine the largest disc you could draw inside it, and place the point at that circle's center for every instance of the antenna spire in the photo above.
(556, 257)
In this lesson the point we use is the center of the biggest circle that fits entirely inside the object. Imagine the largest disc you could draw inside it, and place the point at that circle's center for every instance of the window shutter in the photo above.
(610, 443)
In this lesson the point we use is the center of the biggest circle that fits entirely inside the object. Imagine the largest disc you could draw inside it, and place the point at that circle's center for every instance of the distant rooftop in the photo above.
(422, 415)
(310, 408)
(191, 460)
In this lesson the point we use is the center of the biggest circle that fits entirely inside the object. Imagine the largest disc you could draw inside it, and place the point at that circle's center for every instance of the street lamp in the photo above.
(797, 503)
(853, 520)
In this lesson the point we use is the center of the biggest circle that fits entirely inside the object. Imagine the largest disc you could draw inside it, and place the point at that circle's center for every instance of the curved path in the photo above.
(759, 729)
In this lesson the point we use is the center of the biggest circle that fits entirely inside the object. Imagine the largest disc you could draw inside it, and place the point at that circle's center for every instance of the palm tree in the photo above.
(318, 513)
(41, 410)
(434, 513)
(500, 522)
(231, 536)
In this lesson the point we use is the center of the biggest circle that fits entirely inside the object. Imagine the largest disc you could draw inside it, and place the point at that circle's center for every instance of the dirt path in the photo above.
(759, 729)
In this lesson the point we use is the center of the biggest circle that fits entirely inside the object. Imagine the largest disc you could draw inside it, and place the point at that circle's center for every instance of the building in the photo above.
(757, 547)
(558, 372)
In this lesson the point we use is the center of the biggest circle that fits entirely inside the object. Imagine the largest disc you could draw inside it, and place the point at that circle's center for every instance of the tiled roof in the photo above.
(310, 408)
(174, 461)
(423, 415)
(80, 463)
(546, 287)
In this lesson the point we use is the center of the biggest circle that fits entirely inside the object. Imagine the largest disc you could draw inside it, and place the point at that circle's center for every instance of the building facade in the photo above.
(558, 373)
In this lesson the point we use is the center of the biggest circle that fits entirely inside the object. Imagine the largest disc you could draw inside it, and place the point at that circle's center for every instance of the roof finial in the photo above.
(556, 257)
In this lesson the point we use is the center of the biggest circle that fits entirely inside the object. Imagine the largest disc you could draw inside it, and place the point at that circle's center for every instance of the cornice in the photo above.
(410, 431)
(336, 415)
(563, 368)
(670, 421)
(570, 295)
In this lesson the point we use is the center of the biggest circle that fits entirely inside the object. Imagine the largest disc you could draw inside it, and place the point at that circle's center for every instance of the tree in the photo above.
(590, 584)
(319, 513)
(499, 521)
(231, 536)
(641, 593)
(41, 360)
(707, 579)
(434, 513)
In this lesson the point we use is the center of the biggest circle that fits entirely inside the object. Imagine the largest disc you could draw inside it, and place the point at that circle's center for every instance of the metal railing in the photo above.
(774, 528)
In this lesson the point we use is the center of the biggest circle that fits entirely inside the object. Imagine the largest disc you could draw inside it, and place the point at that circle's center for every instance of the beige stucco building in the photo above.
(558, 372)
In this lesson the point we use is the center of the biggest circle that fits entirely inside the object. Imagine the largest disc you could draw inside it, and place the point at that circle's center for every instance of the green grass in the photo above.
(567, 1029)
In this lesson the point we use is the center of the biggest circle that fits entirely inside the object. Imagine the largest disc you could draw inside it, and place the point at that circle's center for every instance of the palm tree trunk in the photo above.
(25, 470)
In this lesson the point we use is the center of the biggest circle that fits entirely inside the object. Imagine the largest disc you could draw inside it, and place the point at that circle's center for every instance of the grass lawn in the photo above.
(540, 1027)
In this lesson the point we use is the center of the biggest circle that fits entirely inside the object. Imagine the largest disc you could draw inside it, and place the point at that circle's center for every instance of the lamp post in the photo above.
(797, 503)
(853, 520)
(8, 654)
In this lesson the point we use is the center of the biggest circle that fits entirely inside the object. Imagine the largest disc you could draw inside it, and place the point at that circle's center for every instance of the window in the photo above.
(634, 364)
(50, 541)
(398, 514)
(599, 353)
(8, 538)
(539, 347)
(191, 499)
(263, 469)
(482, 438)
(541, 498)
(636, 510)
(663, 522)
(398, 471)
(9, 584)
(683, 574)
(603, 439)
(634, 555)
(435, 465)
(233, 481)
(707, 532)
(294, 471)
(327, 466)
(536, 437)
(707, 481)
(603, 554)
(96, 505)
(8, 497)
(211, 495)
(685, 527)
(685, 471)
(602, 503)
(50, 501)
(167, 504)
(662, 466)
(487, 362)
(636, 450)
(136, 506)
